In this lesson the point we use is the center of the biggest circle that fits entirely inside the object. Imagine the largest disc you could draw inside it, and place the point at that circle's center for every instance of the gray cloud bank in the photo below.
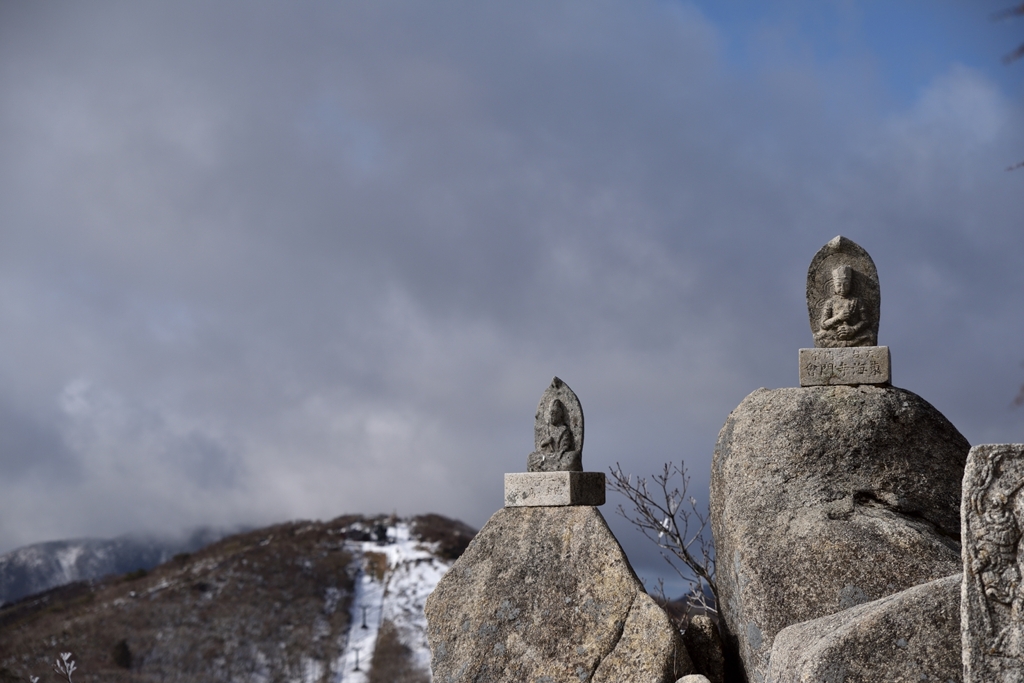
(265, 261)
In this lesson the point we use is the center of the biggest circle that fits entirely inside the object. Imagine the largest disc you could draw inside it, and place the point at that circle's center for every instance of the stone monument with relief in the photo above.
(992, 592)
(544, 592)
(834, 494)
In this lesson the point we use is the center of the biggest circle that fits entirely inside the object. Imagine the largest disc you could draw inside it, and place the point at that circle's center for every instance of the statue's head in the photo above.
(842, 280)
(556, 413)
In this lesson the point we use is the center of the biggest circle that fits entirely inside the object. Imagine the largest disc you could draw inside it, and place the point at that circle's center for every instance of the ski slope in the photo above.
(412, 573)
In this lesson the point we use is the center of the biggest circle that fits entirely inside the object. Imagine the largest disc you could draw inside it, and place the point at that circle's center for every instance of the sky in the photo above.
(266, 261)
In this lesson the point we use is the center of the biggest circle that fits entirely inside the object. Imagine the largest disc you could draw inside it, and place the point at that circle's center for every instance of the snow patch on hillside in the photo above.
(67, 560)
(412, 574)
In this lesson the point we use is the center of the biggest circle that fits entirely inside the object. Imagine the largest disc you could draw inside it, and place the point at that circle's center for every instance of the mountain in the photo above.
(338, 601)
(39, 567)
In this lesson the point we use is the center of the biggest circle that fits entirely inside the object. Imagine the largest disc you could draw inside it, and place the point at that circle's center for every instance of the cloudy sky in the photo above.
(266, 261)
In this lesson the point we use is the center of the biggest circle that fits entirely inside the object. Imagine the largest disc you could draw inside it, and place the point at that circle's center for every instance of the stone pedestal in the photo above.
(535, 489)
(851, 365)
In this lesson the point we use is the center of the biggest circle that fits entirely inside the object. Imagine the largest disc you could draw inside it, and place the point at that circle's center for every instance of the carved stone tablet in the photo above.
(992, 594)
(843, 299)
(557, 431)
(850, 366)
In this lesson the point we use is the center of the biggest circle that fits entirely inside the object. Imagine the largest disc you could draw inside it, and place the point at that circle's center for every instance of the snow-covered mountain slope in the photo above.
(42, 566)
(394, 596)
(284, 603)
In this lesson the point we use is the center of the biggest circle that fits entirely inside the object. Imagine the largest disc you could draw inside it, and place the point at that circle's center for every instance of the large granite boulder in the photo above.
(823, 498)
(908, 637)
(546, 594)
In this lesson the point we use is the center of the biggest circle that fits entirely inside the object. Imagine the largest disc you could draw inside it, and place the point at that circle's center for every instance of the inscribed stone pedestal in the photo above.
(526, 489)
(546, 594)
(850, 365)
(992, 594)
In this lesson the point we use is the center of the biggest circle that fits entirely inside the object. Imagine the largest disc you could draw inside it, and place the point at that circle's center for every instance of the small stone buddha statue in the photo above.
(558, 431)
(842, 317)
(559, 439)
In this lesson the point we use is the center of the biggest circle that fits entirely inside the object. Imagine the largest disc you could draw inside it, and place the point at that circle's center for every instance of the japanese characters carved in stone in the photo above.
(843, 299)
(558, 431)
(992, 594)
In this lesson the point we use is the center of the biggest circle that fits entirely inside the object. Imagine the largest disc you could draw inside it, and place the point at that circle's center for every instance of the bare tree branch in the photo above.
(1015, 55)
(1015, 11)
(665, 513)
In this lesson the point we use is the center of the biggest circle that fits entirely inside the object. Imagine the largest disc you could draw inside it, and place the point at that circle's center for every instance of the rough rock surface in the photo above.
(823, 498)
(546, 594)
(908, 637)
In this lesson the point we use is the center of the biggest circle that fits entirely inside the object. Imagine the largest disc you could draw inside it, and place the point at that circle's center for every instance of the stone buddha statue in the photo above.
(558, 431)
(842, 317)
(843, 300)
(559, 439)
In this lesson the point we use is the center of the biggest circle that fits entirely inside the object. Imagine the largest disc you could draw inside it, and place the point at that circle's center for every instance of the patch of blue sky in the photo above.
(908, 43)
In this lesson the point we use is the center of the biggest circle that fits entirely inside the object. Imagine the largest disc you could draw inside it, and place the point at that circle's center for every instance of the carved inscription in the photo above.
(992, 594)
(557, 431)
(853, 365)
